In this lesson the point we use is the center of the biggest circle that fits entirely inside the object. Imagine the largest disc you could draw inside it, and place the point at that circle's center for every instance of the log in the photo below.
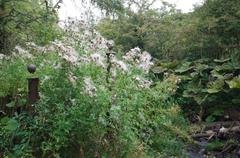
(221, 131)
(221, 124)
(203, 135)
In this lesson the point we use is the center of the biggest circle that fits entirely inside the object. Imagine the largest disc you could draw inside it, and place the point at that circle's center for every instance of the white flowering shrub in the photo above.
(140, 59)
(93, 103)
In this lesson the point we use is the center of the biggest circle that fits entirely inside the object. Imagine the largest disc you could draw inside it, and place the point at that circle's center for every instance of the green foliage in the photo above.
(220, 20)
(211, 31)
(110, 6)
(208, 84)
(10, 125)
(13, 76)
(147, 29)
(26, 20)
(119, 118)
(215, 146)
(121, 121)
(213, 116)
(234, 83)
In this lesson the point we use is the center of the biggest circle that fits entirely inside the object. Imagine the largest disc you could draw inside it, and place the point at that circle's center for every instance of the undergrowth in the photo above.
(119, 119)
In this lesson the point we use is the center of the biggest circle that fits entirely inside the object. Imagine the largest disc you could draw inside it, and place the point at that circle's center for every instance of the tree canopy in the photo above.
(210, 30)
(27, 20)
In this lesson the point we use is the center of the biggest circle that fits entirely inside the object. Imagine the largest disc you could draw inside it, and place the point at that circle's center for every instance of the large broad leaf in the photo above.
(200, 99)
(201, 67)
(227, 68)
(188, 94)
(158, 70)
(10, 105)
(185, 77)
(11, 125)
(216, 74)
(185, 68)
(216, 86)
(234, 83)
(191, 92)
(221, 60)
(203, 60)
(194, 74)
(170, 65)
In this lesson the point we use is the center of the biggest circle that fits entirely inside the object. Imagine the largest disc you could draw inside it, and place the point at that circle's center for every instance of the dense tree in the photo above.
(27, 20)
(210, 31)
(220, 25)
(144, 28)
(110, 6)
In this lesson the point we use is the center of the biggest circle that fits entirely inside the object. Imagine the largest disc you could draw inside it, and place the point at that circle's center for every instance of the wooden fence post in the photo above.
(33, 83)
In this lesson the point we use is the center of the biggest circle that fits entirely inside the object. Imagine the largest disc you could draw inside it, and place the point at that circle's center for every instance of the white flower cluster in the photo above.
(82, 34)
(33, 46)
(94, 46)
(68, 53)
(116, 63)
(89, 87)
(98, 59)
(46, 78)
(73, 79)
(143, 83)
(2, 56)
(19, 51)
(142, 60)
(65, 51)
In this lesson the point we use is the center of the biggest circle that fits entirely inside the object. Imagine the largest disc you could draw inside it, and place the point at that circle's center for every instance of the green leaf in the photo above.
(12, 125)
(216, 74)
(158, 70)
(221, 60)
(218, 112)
(200, 99)
(216, 86)
(187, 94)
(210, 119)
(11, 104)
(234, 83)
(201, 67)
(185, 78)
(211, 91)
(4, 120)
(194, 74)
(185, 67)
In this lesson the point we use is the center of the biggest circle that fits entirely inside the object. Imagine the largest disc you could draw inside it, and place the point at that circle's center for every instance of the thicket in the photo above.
(104, 100)
(92, 103)
(122, 122)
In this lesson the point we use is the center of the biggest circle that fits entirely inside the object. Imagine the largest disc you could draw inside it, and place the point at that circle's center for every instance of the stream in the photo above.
(199, 151)
(211, 142)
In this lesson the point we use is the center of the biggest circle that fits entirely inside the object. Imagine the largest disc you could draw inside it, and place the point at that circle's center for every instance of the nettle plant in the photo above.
(93, 102)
